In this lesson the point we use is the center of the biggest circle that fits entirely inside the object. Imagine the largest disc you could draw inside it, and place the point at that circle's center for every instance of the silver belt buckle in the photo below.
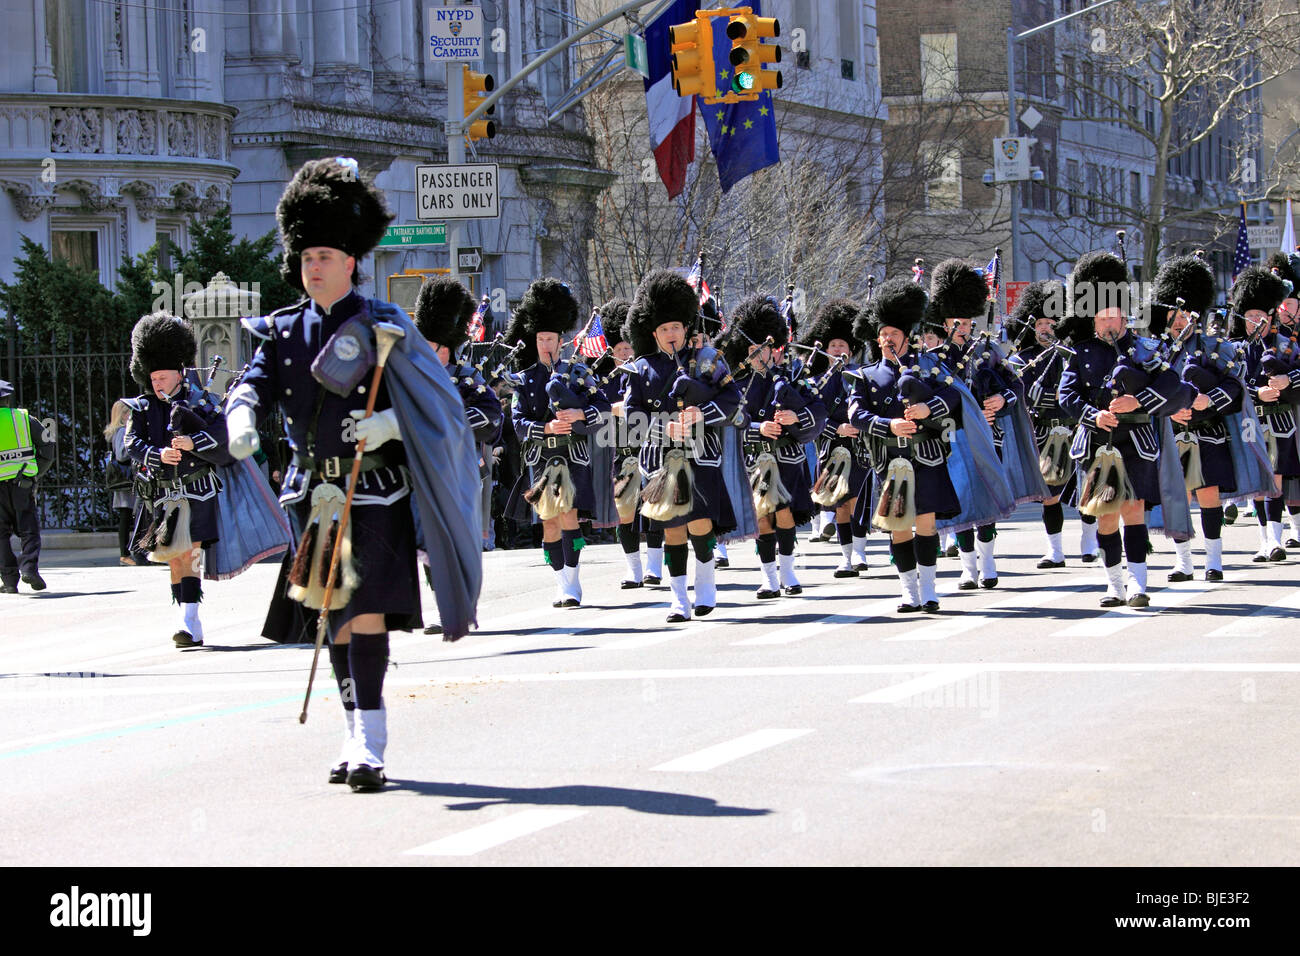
(550, 441)
(333, 468)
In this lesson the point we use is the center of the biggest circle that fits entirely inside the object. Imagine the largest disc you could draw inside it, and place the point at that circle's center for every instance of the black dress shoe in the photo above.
(185, 639)
(764, 594)
(431, 629)
(1260, 558)
(1291, 542)
(629, 585)
(570, 602)
(951, 551)
(1178, 577)
(845, 573)
(1230, 514)
(908, 608)
(676, 618)
(1213, 575)
(1277, 554)
(653, 579)
(1046, 563)
(721, 563)
(366, 779)
(8, 589)
(1111, 601)
(339, 774)
(930, 607)
(860, 566)
(967, 586)
(988, 583)
(36, 583)
(1088, 558)
(702, 610)
(558, 602)
(1139, 600)
(794, 590)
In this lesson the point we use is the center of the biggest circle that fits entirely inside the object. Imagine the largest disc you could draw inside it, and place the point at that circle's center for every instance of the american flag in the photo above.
(592, 344)
(477, 323)
(1241, 258)
(696, 279)
(918, 273)
(993, 275)
(787, 313)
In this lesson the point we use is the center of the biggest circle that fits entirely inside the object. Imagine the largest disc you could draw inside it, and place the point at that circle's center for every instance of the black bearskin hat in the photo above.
(754, 321)
(1098, 280)
(898, 303)
(957, 291)
(1185, 277)
(832, 320)
(161, 341)
(663, 296)
(443, 310)
(547, 306)
(1286, 267)
(1042, 299)
(328, 204)
(1255, 288)
(613, 314)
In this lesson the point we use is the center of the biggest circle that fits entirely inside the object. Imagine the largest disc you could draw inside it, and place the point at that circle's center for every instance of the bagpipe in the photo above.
(669, 491)
(831, 485)
(499, 372)
(570, 386)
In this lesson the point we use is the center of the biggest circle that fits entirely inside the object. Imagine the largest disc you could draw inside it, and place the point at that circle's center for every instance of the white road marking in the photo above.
(493, 834)
(92, 728)
(919, 685)
(1261, 620)
(717, 755)
(1112, 622)
(951, 627)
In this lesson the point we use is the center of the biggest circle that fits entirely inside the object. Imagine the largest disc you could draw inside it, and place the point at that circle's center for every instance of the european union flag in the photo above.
(741, 135)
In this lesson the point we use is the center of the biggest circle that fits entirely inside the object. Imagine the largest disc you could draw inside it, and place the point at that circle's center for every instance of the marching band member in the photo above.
(556, 405)
(779, 419)
(908, 454)
(1287, 267)
(318, 361)
(1040, 363)
(842, 459)
(178, 461)
(1273, 383)
(682, 397)
(1115, 388)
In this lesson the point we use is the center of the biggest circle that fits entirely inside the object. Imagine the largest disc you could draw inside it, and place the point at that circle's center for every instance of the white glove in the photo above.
(241, 431)
(378, 428)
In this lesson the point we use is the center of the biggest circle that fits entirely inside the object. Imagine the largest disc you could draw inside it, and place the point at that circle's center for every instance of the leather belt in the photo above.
(1133, 418)
(767, 445)
(193, 477)
(1268, 411)
(558, 441)
(329, 469)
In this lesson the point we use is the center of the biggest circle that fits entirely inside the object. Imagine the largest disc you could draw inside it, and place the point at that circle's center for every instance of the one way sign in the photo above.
(469, 260)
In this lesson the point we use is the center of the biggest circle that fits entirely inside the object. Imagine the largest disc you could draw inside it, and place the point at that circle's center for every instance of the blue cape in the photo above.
(251, 525)
(976, 472)
(735, 477)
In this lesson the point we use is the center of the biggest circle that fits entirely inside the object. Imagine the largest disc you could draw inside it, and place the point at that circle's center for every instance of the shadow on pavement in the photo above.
(644, 801)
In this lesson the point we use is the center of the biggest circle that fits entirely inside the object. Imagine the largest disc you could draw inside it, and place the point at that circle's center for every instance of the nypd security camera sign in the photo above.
(454, 33)
(457, 192)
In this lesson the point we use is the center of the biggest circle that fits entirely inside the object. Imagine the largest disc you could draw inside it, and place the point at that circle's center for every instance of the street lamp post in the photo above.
(1013, 123)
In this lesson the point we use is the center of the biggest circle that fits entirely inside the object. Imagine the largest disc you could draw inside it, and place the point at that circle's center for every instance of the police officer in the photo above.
(24, 454)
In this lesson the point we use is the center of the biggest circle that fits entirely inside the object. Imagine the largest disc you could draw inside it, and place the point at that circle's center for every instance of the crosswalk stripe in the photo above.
(493, 834)
(951, 627)
(910, 688)
(1112, 622)
(1262, 619)
(712, 757)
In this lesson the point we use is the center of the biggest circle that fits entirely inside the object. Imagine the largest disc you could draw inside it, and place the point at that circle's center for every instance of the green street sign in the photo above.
(430, 234)
(634, 54)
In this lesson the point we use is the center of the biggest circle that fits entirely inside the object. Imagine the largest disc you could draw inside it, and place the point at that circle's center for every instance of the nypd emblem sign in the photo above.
(454, 34)
(1011, 158)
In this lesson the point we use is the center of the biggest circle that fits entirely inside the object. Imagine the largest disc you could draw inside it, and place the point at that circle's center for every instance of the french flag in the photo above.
(672, 117)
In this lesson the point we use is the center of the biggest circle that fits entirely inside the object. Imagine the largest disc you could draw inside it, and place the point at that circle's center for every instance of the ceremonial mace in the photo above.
(386, 336)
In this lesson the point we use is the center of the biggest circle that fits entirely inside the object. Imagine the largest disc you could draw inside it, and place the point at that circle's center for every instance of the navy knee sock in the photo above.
(1112, 548)
(1275, 508)
(843, 532)
(926, 548)
(986, 532)
(367, 661)
(654, 539)
(966, 540)
(553, 552)
(1053, 518)
(904, 554)
(785, 540)
(191, 591)
(703, 547)
(767, 548)
(675, 559)
(1212, 523)
(628, 538)
(1135, 543)
(1087, 519)
(343, 674)
(1261, 512)
(571, 543)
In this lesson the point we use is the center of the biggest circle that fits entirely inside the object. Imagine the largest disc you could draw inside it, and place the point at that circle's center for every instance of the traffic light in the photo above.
(474, 90)
(691, 45)
(749, 53)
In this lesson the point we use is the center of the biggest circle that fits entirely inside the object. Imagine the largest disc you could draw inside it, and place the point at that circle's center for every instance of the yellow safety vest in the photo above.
(17, 453)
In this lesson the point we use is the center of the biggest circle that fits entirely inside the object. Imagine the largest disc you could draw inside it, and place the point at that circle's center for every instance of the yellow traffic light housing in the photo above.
(474, 90)
(691, 45)
(749, 54)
